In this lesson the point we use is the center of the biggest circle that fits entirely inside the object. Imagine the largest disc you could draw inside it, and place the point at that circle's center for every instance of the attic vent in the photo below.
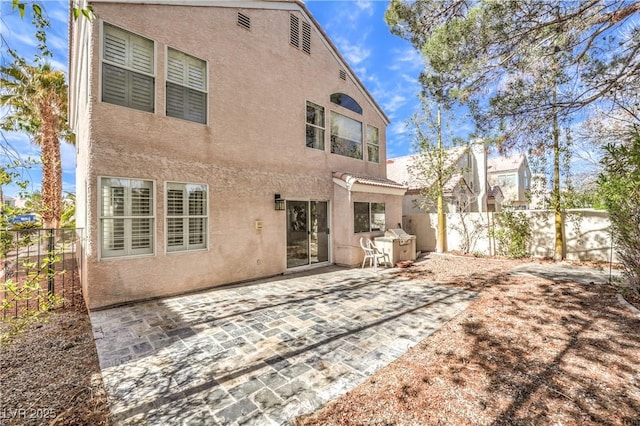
(294, 31)
(343, 75)
(244, 21)
(306, 37)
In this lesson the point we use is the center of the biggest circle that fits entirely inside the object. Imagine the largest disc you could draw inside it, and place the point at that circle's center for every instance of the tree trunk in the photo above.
(558, 254)
(51, 171)
(441, 243)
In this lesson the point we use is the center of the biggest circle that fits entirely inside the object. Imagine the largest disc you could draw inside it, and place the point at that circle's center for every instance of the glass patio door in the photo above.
(307, 233)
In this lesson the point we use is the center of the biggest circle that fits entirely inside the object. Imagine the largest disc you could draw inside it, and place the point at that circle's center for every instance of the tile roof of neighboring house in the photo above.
(399, 169)
(351, 179)
(503, 164)
(494, 190)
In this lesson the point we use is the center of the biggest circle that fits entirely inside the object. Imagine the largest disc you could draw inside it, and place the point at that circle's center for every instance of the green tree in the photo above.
(36, 98)
(525, 68)
(435, 161)
(619, 186)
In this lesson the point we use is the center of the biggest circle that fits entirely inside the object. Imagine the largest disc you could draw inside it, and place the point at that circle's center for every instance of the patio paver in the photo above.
(264, 352)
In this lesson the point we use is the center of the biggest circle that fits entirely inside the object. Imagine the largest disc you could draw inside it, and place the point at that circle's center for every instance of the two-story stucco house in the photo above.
(219, 142)
(513, 176)
(465, 190)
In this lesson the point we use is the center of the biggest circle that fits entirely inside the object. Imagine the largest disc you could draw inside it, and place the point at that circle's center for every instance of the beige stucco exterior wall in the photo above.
(347, 243)
(252, 147)
(587, 233)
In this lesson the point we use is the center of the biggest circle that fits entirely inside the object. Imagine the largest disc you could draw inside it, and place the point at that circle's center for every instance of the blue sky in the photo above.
(386, 64)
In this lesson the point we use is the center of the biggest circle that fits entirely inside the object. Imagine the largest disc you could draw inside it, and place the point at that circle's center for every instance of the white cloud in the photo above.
(353, 53)
(407, 59)
(394, 103)
(58, 65)
(58, 13)
(17, 36)
(57, 43)
(365, 6)
(398, 128)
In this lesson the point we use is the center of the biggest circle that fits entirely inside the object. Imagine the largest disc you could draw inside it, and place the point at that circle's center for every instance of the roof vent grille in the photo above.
(294, 31)
(244, 21)
(306, 37)
(343, 75)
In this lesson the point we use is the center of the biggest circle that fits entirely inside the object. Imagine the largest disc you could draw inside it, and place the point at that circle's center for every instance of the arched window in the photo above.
(346, 101)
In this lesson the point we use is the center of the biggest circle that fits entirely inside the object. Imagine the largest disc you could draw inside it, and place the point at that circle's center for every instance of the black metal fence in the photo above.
(39, 270)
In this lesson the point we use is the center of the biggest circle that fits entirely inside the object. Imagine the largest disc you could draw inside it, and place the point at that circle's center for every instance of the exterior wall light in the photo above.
(279, 202)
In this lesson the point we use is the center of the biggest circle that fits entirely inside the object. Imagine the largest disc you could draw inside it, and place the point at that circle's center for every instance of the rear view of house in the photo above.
(219, 142)
(513, 176)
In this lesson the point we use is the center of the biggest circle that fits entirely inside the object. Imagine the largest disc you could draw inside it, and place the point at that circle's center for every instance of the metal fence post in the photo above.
(50, 266)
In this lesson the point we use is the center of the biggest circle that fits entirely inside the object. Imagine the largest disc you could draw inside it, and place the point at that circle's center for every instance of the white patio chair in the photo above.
(373, 253)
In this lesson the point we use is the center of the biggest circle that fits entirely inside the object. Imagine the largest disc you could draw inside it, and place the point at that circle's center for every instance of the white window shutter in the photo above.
(141, 57)
(197, 106)
(141, 92)
(197, 75)
(114, 85)
(175, 68)
(115, 46)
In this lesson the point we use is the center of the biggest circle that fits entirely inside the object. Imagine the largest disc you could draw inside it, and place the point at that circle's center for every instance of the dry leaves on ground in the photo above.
(50, 374)
(527, 351)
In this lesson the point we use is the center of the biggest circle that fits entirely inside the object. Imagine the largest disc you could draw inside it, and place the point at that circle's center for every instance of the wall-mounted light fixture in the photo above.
(279, 202)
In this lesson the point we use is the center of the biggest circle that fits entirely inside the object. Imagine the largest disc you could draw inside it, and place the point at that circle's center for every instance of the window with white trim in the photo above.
(186, 87)
(368, 217)
(315, 126)
(128, 72)
(346, 136)
(373, 144)
(127, 217)
(187, 216)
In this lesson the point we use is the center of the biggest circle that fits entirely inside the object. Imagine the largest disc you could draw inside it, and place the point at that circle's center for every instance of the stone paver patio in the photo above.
(264, 352)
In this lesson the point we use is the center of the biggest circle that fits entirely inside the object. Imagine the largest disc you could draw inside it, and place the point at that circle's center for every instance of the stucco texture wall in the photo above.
(586, 233)
(252, 147)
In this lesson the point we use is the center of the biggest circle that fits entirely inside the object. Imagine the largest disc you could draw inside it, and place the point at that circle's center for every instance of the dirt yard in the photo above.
(527, 351)
(50, 374)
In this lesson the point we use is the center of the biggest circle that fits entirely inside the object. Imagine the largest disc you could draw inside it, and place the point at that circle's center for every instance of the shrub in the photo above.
(619, 185)
(512, 234)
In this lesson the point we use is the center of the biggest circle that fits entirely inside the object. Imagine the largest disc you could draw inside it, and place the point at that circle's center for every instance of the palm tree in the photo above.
(36, 96)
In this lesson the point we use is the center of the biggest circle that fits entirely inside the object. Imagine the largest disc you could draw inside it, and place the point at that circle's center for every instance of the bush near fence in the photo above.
(587, 233)
(38, 270)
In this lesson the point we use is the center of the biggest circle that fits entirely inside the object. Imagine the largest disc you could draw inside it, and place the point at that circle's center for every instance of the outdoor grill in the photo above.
(399, 245)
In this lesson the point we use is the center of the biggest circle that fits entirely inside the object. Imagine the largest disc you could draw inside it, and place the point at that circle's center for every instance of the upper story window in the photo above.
(315, 126)
(373, 144)
(126, 217)
(506, 180)
(128, 72)
(346, 136)
(186, 87)
(346, 101)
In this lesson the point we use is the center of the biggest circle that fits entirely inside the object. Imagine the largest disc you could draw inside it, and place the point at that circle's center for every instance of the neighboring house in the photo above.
(18, 202)
(219, 142)
(494, 198)
(465, 190)
(513, 176)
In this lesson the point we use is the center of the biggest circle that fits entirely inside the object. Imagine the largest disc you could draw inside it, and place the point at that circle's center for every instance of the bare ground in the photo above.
(527, 351)
(50, 374)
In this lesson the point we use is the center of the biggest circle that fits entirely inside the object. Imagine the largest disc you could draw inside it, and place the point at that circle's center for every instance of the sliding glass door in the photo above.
(307, 232)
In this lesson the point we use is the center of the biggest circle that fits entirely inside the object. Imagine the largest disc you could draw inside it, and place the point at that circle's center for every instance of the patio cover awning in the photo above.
(359, 183)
